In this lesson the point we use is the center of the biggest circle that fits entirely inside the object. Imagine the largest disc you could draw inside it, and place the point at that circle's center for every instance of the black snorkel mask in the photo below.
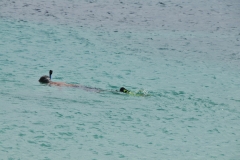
(46, 79)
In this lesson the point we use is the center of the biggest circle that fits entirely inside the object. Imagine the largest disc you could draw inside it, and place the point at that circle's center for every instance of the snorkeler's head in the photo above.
(122, 89)
(44, 79)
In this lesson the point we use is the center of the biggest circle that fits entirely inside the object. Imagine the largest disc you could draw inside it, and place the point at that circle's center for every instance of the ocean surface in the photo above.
(183, 55)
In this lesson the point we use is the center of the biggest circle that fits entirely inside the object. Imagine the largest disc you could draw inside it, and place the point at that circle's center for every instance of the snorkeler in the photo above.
(47, 80)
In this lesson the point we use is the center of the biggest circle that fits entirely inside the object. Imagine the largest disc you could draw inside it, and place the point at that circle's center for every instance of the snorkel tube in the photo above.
(50, 74)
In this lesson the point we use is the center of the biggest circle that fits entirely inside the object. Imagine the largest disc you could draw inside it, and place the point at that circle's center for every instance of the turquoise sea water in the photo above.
(184, 55)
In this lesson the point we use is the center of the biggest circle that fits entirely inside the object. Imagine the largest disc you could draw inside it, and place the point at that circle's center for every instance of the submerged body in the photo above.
(62, 84)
